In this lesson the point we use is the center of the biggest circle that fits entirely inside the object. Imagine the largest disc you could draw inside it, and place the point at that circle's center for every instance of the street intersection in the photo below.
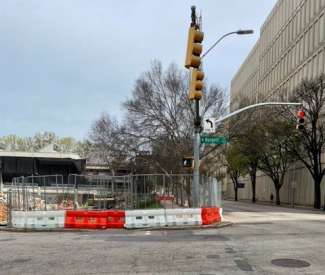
(261, 240)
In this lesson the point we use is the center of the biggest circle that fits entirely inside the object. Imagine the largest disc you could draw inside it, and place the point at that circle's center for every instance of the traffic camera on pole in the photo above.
(194, 48)
(300, 120)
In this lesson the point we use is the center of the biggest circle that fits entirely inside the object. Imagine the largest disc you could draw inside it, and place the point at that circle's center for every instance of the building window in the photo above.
(301, 51)
(321, 28)
(316, 34)
(320, 62)
(309, 69)
(312, 8)
(303, 19)
(299, 21)
(306, 44)
(307, 12)
(311, 39)
(313, 66)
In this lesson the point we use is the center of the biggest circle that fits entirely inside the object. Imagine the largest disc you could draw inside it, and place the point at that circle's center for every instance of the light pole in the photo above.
(196, 170)
(239, 32)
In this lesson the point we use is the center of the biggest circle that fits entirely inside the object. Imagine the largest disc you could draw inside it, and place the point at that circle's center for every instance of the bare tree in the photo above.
(275, 156)
(39, 141)
(236, 164)
(251, 147)
(107, 143)
(312, 94)
(160, 115)
(245, 131)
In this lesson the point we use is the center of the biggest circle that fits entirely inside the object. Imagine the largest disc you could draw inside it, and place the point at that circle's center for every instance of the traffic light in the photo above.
(188, 162)
(196, 85)
(194, 48)
(300, 120)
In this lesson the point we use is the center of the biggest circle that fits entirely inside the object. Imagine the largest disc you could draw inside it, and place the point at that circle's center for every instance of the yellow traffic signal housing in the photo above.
(196, 85)
(194, 48)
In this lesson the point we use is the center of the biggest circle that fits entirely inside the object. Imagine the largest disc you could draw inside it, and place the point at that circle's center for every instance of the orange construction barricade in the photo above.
(94, 219)
(85, 219)
(115, 218)
(210, 215)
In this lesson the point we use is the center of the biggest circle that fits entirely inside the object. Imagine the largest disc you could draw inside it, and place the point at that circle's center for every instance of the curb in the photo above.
(24, 230)
(189, 227)
(186, 227)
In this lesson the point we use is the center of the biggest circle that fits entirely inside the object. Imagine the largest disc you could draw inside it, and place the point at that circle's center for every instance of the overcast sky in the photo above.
(64, 62)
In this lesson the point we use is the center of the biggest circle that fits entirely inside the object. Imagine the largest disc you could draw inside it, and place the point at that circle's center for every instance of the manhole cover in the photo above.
(294, 263)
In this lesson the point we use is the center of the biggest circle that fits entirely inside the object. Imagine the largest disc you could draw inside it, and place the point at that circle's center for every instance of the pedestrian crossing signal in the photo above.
(188, 162)
(300, 120)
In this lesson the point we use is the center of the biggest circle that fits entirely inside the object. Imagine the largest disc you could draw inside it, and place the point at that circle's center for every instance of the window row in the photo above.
(305, 46)
(281, 14)
(249, 89)
(308, 10)
(313, 68)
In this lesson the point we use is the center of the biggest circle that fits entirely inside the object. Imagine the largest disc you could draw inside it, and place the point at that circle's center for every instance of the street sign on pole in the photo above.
(209, 126)
(213, 140)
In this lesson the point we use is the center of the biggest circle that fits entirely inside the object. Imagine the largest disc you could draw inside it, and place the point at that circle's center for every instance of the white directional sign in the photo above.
(209, 125)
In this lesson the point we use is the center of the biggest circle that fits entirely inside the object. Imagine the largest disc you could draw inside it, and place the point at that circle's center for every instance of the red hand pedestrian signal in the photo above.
(301, 114)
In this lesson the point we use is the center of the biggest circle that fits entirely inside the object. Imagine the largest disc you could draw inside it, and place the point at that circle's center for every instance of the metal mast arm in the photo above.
(255, 106)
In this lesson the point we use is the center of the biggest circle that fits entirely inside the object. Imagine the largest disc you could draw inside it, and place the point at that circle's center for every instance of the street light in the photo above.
(239, 32)
(196, 170)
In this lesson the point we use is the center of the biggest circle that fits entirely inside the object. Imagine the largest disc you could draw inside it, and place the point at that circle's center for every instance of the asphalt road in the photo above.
(260, 238)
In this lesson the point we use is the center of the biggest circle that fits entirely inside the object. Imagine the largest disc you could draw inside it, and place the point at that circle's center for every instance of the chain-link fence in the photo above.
(109, 192)
(38, 193)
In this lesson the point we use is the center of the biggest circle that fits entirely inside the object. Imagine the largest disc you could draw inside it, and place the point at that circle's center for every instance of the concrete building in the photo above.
(16, 164)
(291, 48)
(99, 169)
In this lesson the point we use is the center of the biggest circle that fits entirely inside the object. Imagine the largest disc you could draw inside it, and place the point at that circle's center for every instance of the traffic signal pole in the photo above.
(193, 62)
(196, 145)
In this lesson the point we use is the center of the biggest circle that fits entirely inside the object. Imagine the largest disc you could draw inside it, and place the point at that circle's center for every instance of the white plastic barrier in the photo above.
(189, 216)
(221, 211)
(18, 219)
(38, 219)
(145, 218)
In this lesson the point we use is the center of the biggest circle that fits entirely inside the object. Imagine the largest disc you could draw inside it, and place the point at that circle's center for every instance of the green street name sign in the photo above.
(214, 140)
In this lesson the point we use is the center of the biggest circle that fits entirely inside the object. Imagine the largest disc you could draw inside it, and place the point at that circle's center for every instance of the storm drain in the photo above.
(293, 263)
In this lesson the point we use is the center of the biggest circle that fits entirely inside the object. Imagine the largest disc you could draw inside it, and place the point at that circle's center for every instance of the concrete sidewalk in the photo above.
(283, 205)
